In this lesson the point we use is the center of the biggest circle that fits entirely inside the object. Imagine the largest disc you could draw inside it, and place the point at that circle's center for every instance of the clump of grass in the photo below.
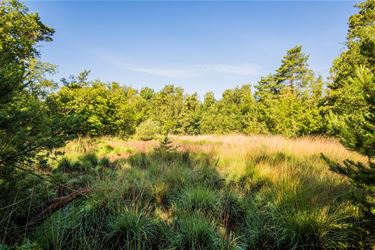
(195, 232)
(81, 225)
(272, 159)
(160, 193)
(201, 199)
(140, 160)
(81, 146)
(177, 177)
(135, 187)
(120, 150)
(133, 230)
(288, 215)
(208, 176)
(247, 178)
(103, 149)
(233, 209)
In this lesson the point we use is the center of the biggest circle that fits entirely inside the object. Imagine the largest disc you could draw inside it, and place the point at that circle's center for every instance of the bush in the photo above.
(148, 130)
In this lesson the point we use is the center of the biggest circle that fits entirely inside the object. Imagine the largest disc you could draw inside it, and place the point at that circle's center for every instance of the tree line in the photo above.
(288, 102)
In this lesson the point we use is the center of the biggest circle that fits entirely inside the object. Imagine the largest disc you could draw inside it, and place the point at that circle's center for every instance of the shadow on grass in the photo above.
(178, 200)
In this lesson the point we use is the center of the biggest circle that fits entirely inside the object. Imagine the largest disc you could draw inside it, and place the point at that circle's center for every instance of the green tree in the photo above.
(360, 46)
(189, 117)
(344, 98)
(167, 105)
(293, 70)
(350, 109)
(106, 109)
(28, 128)
(26, 125)
(288, 101)
(359, 135)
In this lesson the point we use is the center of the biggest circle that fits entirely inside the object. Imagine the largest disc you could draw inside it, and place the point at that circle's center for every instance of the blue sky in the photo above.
(200, 46)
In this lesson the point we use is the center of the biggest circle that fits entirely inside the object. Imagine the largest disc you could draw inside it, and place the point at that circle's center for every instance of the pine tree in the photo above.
(341, 95)
(360, 135)
(360, 46)
(293, 69)
(283, 98)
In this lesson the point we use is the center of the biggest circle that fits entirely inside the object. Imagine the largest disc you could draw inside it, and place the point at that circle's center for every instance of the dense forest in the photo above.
(38, 116)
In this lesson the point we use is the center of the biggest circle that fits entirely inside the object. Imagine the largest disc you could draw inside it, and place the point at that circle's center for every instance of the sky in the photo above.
(199, 45)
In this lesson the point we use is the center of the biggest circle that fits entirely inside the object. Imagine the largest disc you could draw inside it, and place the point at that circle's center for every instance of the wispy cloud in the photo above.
(164, 72)
(189, 71)
(246, 69)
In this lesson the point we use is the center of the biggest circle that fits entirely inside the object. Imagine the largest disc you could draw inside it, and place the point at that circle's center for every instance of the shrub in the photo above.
(148, 130)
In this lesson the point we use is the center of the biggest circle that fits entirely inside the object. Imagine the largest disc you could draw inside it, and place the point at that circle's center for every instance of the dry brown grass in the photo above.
(273, 158)
(245, 145)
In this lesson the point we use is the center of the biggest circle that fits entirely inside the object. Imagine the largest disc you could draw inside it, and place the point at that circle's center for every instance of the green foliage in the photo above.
(189, 117)
(350, 104)
(167, 104)
(288, 101)
(359, 135)
(28, 129)
(148, 130)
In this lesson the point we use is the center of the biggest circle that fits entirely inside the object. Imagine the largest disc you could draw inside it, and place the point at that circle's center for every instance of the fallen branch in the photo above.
(56, 204)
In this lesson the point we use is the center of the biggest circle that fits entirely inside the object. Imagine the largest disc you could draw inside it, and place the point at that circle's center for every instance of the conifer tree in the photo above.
(293, 69)
(350, 103)
(360, 135)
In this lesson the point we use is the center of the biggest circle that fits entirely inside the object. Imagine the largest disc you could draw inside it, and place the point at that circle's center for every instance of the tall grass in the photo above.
(209, 192)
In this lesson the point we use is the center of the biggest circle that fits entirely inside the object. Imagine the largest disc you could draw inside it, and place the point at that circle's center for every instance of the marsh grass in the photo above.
(205, 192)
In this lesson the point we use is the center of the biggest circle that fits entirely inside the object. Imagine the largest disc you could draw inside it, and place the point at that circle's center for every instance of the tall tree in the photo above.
(28, 129)
(344, 97)
(26, 126)
(359, 135)
(350, 103)
(293, 70)
(360, 46)
(284, 99)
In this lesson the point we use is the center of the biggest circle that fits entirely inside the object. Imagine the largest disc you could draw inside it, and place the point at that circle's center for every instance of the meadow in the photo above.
(190, 192)
(88, 164)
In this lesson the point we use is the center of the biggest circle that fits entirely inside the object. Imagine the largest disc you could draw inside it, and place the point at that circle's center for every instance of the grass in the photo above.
(210, 192)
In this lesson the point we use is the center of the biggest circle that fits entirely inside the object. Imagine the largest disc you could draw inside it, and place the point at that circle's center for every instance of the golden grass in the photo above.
(276, 159)
(284, 187)
(240, 145)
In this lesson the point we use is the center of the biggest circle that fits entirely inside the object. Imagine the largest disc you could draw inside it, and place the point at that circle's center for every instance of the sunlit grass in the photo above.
(211, 192)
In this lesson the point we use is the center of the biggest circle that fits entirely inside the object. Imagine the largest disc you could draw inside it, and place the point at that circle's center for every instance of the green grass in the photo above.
(194, 231)
(201, 199)
(191, 198)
